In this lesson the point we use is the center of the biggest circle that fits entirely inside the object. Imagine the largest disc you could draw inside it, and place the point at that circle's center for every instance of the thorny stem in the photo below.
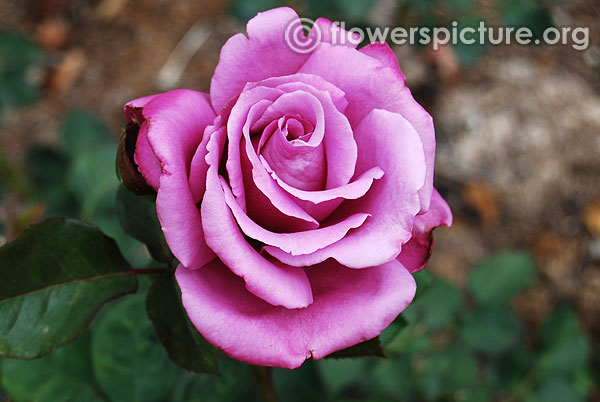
(265, 383)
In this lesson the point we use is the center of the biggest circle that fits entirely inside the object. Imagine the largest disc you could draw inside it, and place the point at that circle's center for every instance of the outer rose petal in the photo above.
(386, 140)
(133, 109)
(382, 52)
(263, 54)
(175, 123)
(332, 33)
(144, 157)
(350, 306)
(369, 85)
(416, 252)
(148, 164)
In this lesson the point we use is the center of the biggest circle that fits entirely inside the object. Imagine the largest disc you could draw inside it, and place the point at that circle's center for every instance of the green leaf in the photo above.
(185, 346)
(490, 330)
(93, 181)
(340, 374)
(566, 348)
(299, 385)
(350, 11)
(447, 371)
(470, 53)
(128, 361)
(17, 52)
(247, 9)
(81, 131)
(392, 331)
(372, 347)
(526, 13)
(137, 215)
(356, 10)
(235, 383)
(497, 279)
(424, 280)
(65, 375)
(11, 178)
(507, 370)
(436, 306)
(47, 169)
(135, 252)
(55, 276)
(556, 390)
(394, 376)
(17, 89)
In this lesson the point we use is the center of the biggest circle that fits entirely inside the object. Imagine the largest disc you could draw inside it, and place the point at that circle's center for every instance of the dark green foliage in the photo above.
(137, 215)
(18, 55)
(185, 346)
(65, 375)
(129, 363)
(55, 277)
(498, 278)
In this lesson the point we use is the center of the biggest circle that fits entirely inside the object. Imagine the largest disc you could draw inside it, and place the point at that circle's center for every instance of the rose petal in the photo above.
(333, 33)
(263, 54)
(255, 177)
(133, 109)
(175, 122)
(320, 204)
(257, 100)
(339, 143)
(269, 90)
(275, 283)
(305, 82)
(144, 157)
(386, 140)
(350, 306)
(198, 166)
(416, 252)
(369, 85)
(382, 52)
(294, 243)
(297, 162)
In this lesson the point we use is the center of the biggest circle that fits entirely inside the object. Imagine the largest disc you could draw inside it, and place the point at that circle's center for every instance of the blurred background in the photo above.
(509, 307)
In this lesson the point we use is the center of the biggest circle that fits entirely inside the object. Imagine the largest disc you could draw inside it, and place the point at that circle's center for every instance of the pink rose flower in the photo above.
(298, 196)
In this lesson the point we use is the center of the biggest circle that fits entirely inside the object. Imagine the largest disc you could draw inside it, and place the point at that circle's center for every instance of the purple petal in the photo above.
(263, 54)
(339, 143)
(369, 85)
(259, 177)
(275, 283)
(175, 123)
(333, 33)
(386, 140)
(300, 164)
(304, 242)
(320, 204)
(144, 157)
(350, 306)
(305, 82)
(382, 52)
(416, 252)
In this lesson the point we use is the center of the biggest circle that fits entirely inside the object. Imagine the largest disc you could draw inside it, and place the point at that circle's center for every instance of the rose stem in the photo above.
(265, 383)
